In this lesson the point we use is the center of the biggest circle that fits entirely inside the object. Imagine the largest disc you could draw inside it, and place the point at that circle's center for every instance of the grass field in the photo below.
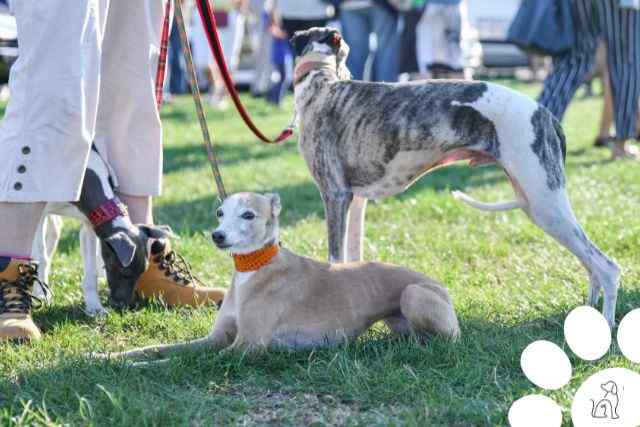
(511, 285)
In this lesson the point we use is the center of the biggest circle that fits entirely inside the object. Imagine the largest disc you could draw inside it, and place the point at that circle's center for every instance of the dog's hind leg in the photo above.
(355, 228)
(336, 207)
(552, 212)
(428, 308)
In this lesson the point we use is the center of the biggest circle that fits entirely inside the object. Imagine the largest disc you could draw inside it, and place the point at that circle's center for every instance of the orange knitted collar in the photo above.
(255, 260)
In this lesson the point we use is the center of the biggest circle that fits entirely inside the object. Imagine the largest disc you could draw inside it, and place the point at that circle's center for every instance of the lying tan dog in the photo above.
(278, 298)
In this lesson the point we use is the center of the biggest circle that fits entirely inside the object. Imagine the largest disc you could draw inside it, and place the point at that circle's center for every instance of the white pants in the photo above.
(85, 73)
(438, 37)
(231, 38)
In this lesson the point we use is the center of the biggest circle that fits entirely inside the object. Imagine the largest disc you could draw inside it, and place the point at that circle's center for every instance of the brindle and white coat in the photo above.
(365, 140)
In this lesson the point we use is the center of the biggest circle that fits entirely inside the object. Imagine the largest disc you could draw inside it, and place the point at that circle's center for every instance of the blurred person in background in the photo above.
(361, 18)
(439, 40)
(408, 54)
(259, 21)
(288, 17)
(230, 18)
(619, 26)
(177, 81)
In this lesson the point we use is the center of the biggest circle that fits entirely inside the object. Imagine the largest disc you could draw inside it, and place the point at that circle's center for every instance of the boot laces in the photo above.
(177, 268)
(17, 296)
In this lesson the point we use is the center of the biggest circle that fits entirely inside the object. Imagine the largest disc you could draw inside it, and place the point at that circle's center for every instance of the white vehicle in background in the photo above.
(491, 19)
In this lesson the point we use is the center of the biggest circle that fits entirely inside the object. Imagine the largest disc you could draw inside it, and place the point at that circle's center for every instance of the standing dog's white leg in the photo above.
(355, 228)
(89, 248)
(44, 246)
(554, 215)
(336, 205)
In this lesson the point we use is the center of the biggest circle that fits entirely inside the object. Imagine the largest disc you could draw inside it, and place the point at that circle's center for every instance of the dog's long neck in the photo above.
(251, 259)
(318, 63)
(313, 70)
(96, 193)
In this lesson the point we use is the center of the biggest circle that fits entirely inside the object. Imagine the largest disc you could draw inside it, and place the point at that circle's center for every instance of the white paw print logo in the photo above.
(610, 397)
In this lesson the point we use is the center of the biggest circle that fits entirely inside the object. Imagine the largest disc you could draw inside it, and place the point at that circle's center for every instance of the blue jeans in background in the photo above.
(357, 25)
(177, 75)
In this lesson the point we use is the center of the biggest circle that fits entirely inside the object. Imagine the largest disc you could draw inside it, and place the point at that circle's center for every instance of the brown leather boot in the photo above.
(169, 277)
(16, 283)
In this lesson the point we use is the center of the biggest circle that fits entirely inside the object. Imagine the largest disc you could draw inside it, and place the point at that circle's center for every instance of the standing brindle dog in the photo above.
(366, 140)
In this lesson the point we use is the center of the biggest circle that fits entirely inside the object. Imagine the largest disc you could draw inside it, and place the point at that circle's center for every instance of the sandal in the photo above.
(627, 152)
(603, 141)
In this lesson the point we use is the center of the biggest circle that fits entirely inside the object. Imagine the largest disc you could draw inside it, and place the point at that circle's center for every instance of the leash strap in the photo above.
(197, 99)
(162, 58)
(211, 29)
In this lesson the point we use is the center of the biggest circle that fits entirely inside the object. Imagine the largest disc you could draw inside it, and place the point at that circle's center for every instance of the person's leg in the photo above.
(424, 41)
(177, 79)
(356, 31)
(408, 53)
(129, 131)
(385, 26)
(19, 222)
(571, 68)
(606, 119)
(44, 140)
(622, 35)
(140, 208)
(262, 55)
(279, 53)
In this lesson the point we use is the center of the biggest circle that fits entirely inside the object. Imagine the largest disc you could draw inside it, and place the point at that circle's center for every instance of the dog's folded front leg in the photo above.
(161, 351)
(336, 207)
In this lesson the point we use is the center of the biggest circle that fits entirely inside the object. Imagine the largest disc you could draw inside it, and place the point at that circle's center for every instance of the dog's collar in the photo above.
(313, 62)
(254, 261)
(108, 211)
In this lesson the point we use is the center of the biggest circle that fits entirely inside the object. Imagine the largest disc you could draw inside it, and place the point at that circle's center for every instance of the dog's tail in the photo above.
(490, 207)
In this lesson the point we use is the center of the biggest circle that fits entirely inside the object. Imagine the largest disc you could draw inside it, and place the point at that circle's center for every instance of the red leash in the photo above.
(211, 28)
(209, 21)
(162, 57)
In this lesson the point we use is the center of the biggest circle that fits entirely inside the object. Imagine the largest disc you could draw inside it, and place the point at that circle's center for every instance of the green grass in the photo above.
(511, 285)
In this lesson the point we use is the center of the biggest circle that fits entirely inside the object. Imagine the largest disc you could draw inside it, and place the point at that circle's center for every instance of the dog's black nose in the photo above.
(218, 237)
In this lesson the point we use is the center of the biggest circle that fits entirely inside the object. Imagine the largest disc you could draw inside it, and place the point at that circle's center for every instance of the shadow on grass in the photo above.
(303, 200)
(195, 155)
(380, 368)
(57, 315)
(300, 201)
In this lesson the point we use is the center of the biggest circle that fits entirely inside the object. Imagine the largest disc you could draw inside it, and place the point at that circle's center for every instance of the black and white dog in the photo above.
(365, 140)
(106, 234)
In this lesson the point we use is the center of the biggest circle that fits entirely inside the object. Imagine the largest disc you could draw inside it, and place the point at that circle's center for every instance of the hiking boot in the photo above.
(16, 300)
(169, 277)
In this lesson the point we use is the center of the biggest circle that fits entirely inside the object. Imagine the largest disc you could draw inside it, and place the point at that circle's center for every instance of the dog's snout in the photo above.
(218, 237)
(120, 300)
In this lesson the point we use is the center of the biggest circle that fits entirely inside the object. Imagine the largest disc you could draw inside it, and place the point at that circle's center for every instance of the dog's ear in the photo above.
(157, 231)
(276, 207)
(124, 248)
(334, 40)
(299, 42)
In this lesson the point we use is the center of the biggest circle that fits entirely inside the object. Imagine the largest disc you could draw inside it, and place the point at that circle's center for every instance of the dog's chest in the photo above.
(242, 277)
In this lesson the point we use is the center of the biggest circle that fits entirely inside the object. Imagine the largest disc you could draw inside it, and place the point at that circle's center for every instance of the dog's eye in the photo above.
(219, 213)
(248, 215)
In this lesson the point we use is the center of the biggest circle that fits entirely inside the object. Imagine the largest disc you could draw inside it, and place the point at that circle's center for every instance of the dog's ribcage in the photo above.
(388, 135)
